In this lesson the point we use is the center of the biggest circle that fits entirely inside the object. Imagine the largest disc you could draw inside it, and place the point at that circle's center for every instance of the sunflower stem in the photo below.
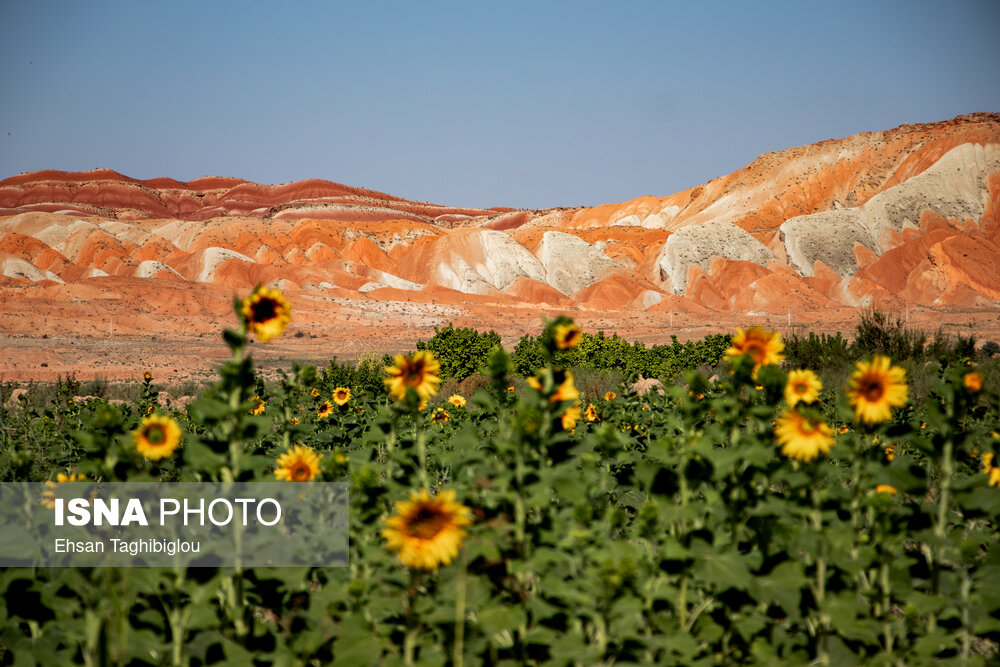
(940, 526)
(519, 511)
(885, 584)
(422, 459)
(412, 631)
(966, 632)
(816, 516)
(458, 651)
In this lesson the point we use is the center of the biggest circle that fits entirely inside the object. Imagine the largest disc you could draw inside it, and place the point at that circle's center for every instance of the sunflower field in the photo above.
(759, 515)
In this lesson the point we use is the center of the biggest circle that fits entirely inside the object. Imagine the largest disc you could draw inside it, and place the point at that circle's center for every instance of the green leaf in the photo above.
(356, 644)
(782, 586)
(723, 570)
(494, 619)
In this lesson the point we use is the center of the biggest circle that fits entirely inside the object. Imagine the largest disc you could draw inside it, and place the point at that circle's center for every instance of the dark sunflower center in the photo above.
(873, 391)
(807, 427)
(265, 310)
(301, 472)
(155, 434)
(801, 388)
(427, 522)
(415, 375)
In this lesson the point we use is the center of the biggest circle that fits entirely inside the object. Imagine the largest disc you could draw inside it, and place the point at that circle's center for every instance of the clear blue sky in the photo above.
(526, 104)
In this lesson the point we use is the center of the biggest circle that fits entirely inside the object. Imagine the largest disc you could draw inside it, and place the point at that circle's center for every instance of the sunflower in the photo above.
(427, 531)
(147, 376)
(566, 391)
(457, 400)
(802, 385)
(843, 429)
(157, 437)
(420, 371)
(298, 464)
(890, 452)
(325, 410)
(293, 421)
(801, 437)
(510, 389)
(567, 336)
(972, 381)
(886, 488)
(990, 469)
(764, 347)
(440, 416)
(259, 406)
(341, 395)
(49, 494)
(570, 418)
(267, 313)
(875, 388)
(315, 392)
(610, 396)
(591, 413)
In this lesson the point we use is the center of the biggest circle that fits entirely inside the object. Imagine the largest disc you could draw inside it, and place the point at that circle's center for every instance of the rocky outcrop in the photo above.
(571, 264)
(698, 245)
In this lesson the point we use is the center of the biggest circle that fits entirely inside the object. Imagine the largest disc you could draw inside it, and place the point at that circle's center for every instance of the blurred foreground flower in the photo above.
(802, 386)
(427, 531)
(801, 437)
(762, 346)
(991, 470)
(267, 313)
(567, 336)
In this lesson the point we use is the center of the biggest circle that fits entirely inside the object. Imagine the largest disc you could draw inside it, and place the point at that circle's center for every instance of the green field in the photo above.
(525, 507)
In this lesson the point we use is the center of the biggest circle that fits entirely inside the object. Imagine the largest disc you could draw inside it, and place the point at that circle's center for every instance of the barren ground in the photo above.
(42, 348)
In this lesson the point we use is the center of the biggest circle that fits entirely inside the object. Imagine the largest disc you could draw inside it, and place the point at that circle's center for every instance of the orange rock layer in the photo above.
(907, 216)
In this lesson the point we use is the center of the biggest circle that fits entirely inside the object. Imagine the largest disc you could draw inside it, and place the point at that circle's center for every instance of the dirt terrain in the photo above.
(105, 276)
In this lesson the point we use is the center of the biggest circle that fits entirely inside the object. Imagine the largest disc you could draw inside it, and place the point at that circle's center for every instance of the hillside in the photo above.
(905, 219)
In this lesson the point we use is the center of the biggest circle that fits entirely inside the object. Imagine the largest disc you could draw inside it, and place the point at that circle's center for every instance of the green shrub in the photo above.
(879, 332)
(363, 376)
(819, 353)
(462, 351)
